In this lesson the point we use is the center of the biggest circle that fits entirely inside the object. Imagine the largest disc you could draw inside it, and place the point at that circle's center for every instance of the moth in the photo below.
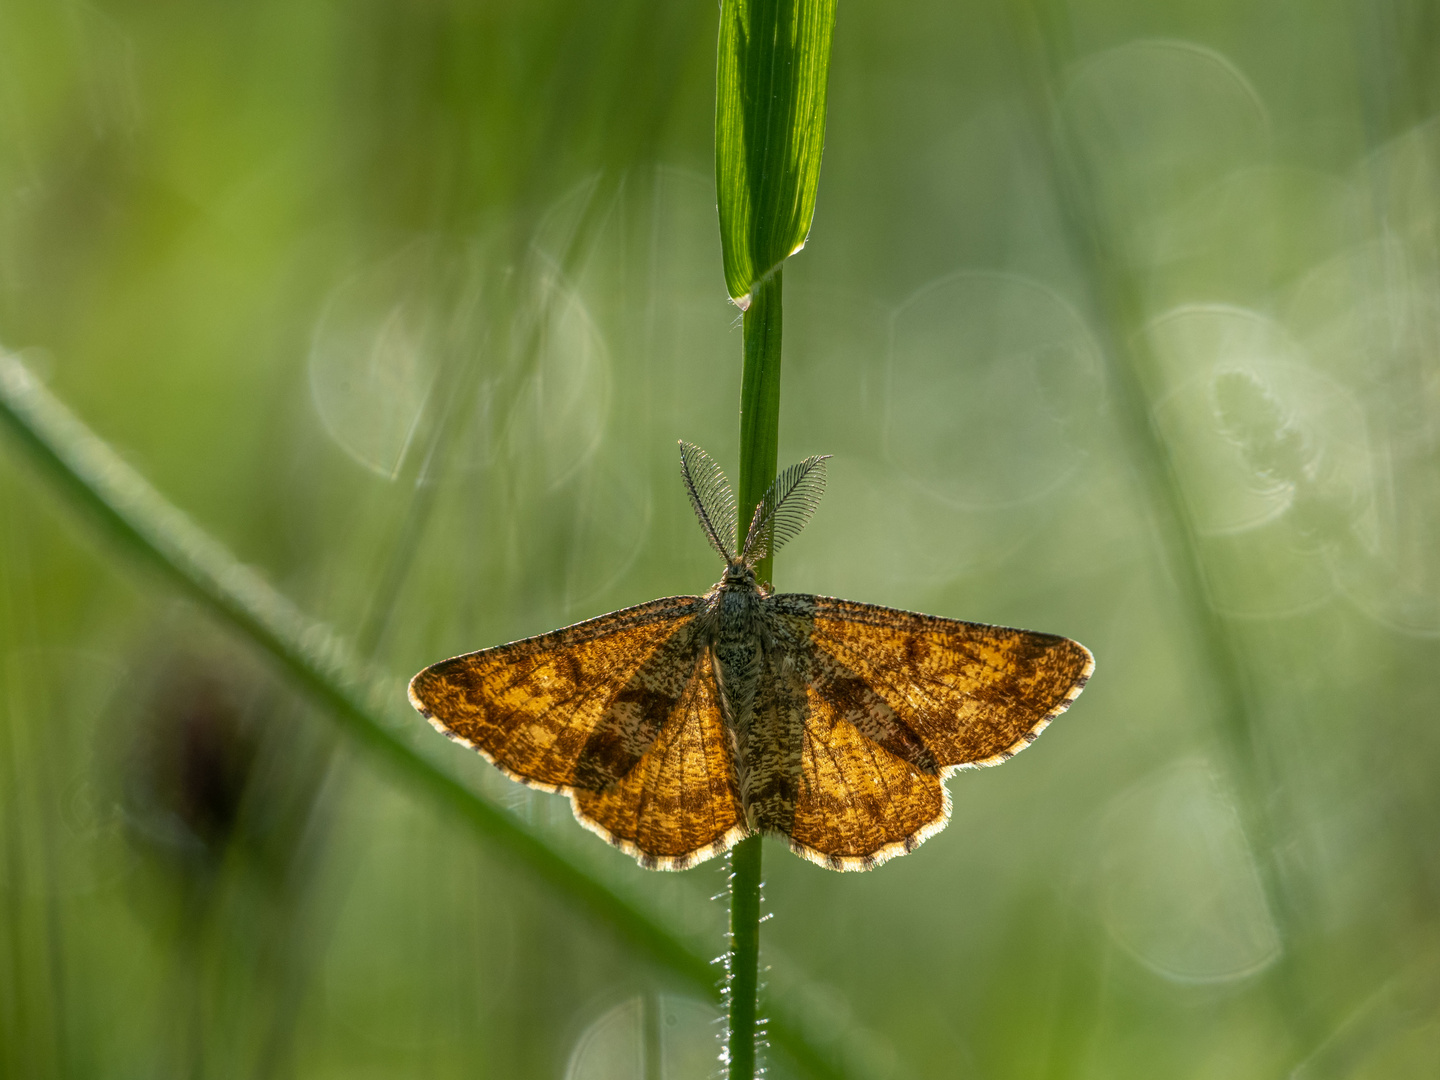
(681, 726)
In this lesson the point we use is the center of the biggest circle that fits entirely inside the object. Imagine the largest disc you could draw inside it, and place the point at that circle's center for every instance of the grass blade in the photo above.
(131, 511)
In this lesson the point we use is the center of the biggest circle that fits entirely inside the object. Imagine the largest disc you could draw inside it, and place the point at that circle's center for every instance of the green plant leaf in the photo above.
(771, 78)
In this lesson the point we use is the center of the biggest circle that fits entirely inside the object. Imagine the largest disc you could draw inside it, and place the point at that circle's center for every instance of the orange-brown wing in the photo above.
(896, 701)
(962, 694)
(573, 709)
(680, 804)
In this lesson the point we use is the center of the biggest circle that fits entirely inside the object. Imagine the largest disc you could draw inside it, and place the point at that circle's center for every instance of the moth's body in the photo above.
(680, 726)
(747, 642)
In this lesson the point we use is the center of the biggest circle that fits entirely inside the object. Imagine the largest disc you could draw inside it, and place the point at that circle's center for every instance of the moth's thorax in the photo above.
(736, 619)
(737, 604)
(738, 614)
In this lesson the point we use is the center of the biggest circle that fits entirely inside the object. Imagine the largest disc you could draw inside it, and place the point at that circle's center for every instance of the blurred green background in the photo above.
(1121, 320)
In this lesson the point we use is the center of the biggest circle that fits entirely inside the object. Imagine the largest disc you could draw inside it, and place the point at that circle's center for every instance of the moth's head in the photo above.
(738, 572)
(781, 514)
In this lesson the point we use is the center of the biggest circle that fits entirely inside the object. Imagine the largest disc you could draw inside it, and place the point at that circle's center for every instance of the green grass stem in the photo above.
(760, 403)
(1119, 321)
(128, 510)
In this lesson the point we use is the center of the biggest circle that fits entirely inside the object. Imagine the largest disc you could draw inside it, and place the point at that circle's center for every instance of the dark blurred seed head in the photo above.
(194, 757)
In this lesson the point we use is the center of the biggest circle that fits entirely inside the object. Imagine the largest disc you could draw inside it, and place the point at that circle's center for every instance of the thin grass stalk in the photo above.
(134, 516)
(132, 512)
(459, 370)
(760, 403)
(1116, 301)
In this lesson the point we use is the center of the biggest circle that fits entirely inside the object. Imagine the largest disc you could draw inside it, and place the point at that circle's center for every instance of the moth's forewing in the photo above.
(561, 710)
(679, 804)
(641, 710)
(897, 700)
(973, 694)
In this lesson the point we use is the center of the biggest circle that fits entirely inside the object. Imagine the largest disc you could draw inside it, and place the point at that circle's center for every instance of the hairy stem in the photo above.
(742, 993)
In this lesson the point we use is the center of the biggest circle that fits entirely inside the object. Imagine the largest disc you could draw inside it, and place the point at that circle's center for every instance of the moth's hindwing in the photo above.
(680, 803)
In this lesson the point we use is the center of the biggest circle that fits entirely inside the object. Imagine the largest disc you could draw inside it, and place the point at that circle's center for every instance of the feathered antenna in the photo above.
(710, 496)
(787, 506)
